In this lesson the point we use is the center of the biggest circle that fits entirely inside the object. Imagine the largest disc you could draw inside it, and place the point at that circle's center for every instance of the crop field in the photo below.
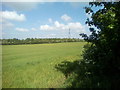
(33, 66)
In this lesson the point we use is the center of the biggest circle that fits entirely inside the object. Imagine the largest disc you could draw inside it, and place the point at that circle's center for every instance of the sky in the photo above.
(43, 19)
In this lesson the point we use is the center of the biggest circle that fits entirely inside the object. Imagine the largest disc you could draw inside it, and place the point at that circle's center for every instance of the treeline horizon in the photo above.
(16, 41)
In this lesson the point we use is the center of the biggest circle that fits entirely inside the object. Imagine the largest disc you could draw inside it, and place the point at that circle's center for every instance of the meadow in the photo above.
(33, 66)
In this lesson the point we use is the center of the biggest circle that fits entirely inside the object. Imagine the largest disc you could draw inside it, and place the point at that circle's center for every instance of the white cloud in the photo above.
(33, 29)
(74, 26)
(6, 25)
(12, 15)
(50, 20)
(65, 17)
(22, 29)
(46, 27)
(58, 25)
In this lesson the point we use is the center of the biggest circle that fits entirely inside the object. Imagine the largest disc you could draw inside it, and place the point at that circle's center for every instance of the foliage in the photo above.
(100, 67)
(104, 52)
(15, 41)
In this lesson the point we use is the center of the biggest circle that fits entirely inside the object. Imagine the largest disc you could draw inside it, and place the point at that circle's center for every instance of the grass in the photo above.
(32, 66)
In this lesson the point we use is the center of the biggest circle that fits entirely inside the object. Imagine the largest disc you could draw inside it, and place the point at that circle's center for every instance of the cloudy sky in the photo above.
(43, 19)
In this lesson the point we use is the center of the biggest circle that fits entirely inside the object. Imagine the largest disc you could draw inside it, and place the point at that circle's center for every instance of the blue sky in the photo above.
(43, 19)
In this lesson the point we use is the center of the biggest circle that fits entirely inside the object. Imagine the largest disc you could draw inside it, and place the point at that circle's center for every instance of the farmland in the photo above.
(32, 66)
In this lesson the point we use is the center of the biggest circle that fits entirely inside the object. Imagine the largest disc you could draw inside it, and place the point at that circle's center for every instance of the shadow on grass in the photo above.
(78, 74)
(67, 67)
(75, 73)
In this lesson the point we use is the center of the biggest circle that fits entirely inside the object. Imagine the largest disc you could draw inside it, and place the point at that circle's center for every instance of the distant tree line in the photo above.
(16, 41)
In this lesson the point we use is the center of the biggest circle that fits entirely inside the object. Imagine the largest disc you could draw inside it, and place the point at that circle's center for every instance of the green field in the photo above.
(32, 66)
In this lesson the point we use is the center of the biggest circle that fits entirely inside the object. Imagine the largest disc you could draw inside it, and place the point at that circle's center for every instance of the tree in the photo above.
(103, 53)
(100, 67)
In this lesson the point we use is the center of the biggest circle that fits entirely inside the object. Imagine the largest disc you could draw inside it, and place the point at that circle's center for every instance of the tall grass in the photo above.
(32, 66)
